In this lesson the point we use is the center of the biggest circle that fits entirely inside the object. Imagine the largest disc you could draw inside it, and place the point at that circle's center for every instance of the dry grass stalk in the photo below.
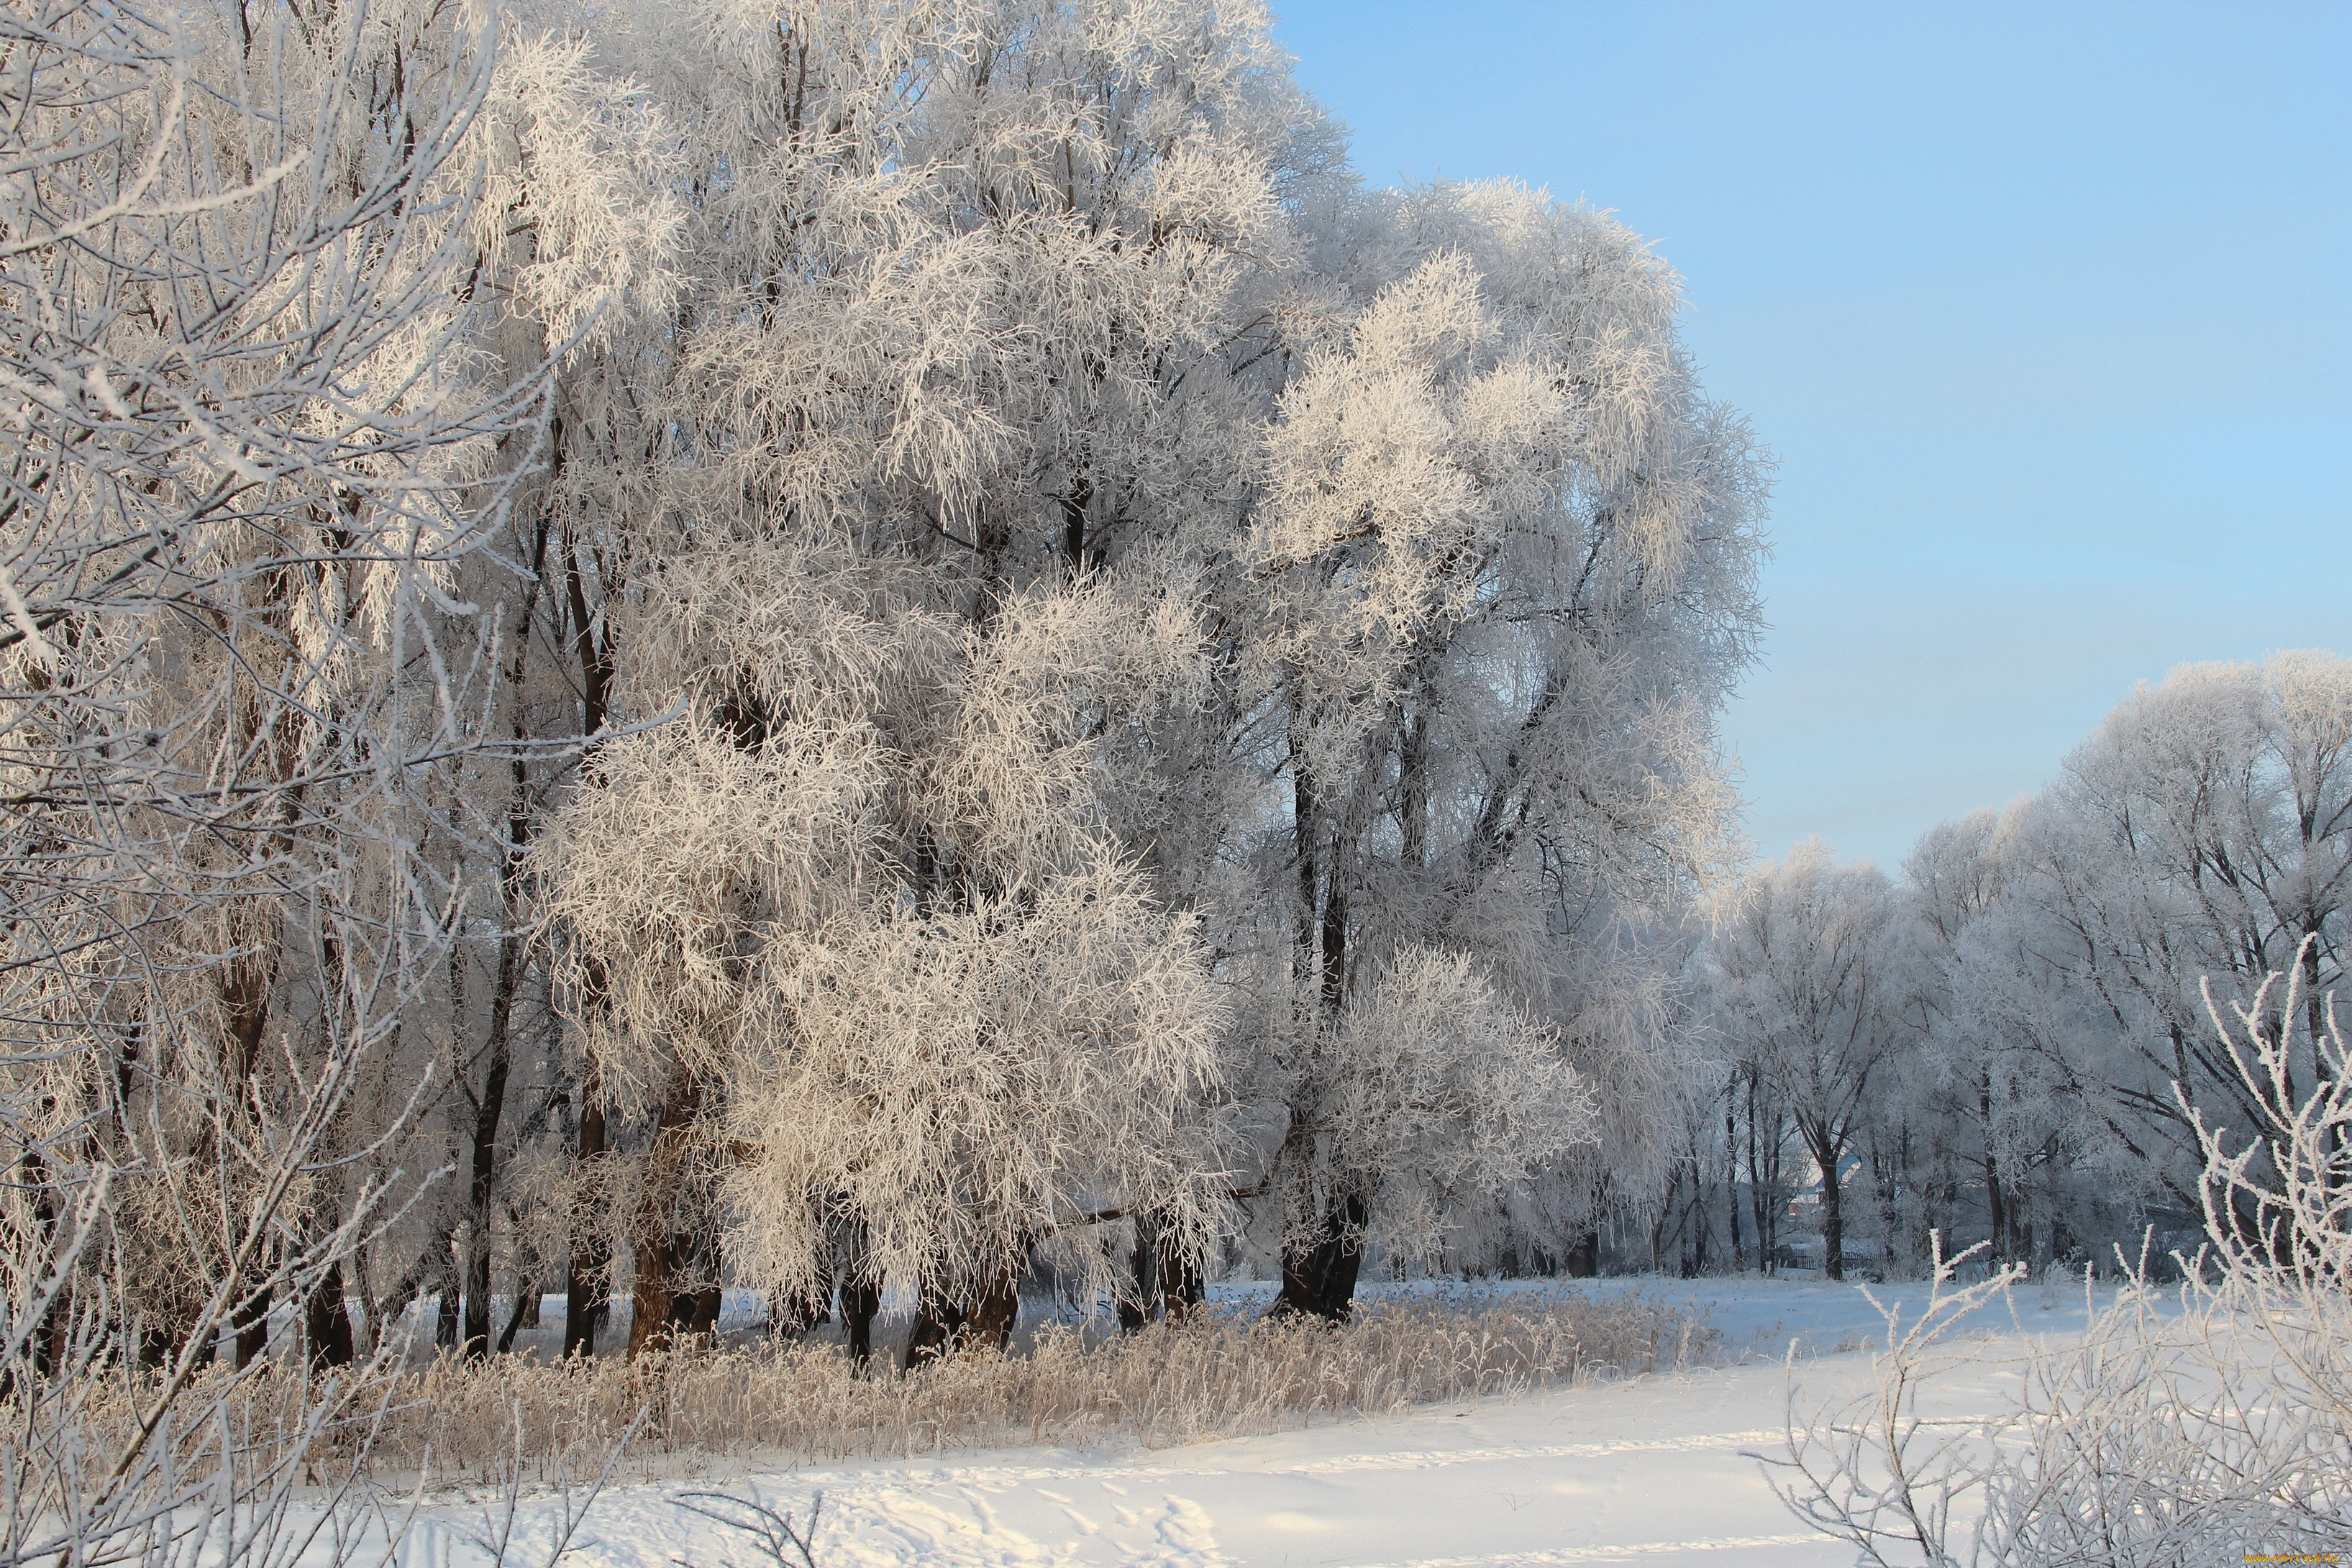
(1226, 1376)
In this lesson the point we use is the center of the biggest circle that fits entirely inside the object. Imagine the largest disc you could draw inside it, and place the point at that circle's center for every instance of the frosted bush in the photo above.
(2198, 1425)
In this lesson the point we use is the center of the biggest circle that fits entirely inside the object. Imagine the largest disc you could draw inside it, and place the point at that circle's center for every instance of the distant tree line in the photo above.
(2012, 1043)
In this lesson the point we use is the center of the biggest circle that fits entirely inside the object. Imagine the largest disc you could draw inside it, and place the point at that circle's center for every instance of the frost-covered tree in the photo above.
(574, 238)
(255, 455)
(2203, 831)
(260, 454)
(1433, 1091)
(865, 634)
(1997, 1087)
(991, 313)
(1503, 573)
(1817, 981)
(1954, 880)
(956, 403)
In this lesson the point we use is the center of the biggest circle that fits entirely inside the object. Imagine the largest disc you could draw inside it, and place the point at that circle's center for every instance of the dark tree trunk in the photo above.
(492, 1106)
(1143, 1276)
(1335, 947)
(1666, 1212)
(1996, 1199)
(1996, 1212)
(653, 1295)
(487, 1111)
(586, 1295)
(56, 1334)
(1412, 780)
(944, 1324)
(938, 1318)
(1081, 555)
(1318, 1280)
(650, 1296)
(526, 1294)
(1183, 1289)
(1302, 812)
(252, 1325)
(989, 1319)
(694, 1313)
(1756, 1188)
(1583, 1260)
(1697, 1213)
(861, 1289)
(1832, 1213)
(1731, 1181)
(327, 1321)
(586, 1289)
(1763, 1186)
(861, 1299)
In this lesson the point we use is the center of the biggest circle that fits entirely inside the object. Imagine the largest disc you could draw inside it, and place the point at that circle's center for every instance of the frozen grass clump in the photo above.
(1220, 1374)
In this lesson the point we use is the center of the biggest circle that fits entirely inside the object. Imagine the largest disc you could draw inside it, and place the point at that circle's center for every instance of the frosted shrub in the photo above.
(2199, 1428)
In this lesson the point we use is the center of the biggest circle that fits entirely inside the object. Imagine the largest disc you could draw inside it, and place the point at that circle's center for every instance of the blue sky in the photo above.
(2046, 310)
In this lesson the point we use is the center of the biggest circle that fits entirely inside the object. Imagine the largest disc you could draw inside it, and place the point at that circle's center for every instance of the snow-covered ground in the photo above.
(1656, 1469)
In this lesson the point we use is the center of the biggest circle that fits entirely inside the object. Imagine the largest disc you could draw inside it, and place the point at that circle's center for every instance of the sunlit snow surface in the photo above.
(1656, 1469)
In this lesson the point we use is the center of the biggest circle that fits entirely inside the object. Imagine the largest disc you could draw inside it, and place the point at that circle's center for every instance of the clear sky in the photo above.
(2046, 308)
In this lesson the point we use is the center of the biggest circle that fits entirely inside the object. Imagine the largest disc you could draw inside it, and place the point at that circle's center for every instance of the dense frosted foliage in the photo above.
(261, 451)
(1072, 481)
(818, 646)
(831, 647)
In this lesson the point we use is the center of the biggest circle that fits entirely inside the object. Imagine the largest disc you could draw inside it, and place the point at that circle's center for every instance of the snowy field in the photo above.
(1655, 1469)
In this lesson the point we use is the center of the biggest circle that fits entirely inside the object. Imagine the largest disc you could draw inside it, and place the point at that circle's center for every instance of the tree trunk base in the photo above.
(860, 1302)
(932, 1335)
(1319, 1280)
(327, 1321)
(944, 1326)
